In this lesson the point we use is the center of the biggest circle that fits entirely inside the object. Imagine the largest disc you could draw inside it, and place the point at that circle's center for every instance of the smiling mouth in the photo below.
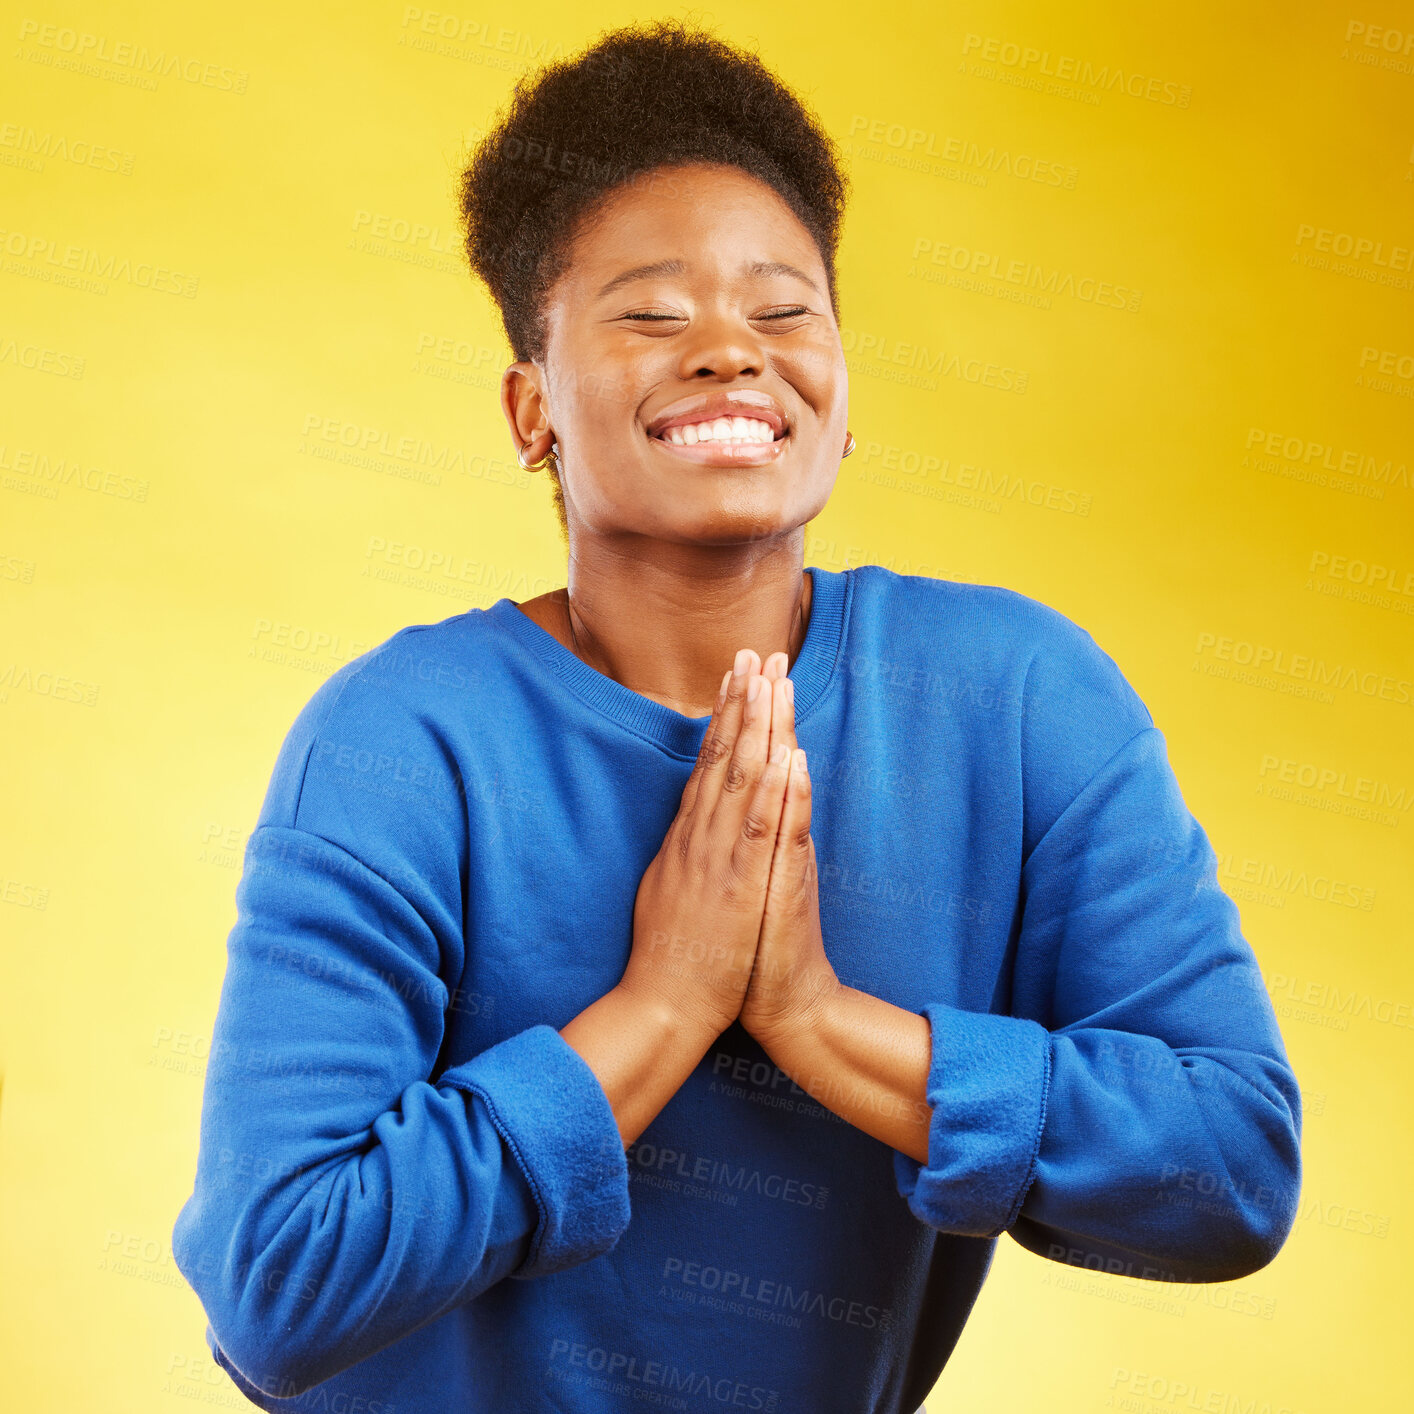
(724, 441)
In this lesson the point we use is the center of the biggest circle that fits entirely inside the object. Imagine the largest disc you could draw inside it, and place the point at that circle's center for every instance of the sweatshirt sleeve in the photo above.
(346, 1193)
(1135, 1111)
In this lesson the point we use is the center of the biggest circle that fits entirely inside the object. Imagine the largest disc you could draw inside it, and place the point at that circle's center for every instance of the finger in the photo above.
(689, 790)
(718, 753)
(794, 852)
(777, 665)
(783, 713)
(748, 761)
(756, 843)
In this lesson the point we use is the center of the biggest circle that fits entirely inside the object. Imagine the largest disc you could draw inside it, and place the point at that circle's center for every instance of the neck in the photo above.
(668, 624)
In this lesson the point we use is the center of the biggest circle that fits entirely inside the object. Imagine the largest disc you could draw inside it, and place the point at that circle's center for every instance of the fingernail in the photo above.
(753, 689)
(779, 752)
(790, 692)
(722, 691)
(743, 661)
(799, 762)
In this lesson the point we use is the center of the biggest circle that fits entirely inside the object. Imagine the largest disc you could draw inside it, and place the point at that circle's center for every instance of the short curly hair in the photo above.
(641, 97)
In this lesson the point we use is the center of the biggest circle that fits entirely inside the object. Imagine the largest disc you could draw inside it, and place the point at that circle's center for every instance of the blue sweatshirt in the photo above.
(411, 1194)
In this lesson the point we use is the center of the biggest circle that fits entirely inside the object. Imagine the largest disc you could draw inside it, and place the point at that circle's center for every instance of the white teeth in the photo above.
(721, 429)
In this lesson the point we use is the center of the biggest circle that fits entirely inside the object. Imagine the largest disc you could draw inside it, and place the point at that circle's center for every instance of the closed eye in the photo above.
(775, 314)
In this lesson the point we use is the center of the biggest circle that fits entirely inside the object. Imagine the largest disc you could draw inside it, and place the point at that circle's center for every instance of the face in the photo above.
(730, 319)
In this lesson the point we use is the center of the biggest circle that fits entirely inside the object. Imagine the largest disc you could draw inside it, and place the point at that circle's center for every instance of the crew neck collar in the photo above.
(682, 736)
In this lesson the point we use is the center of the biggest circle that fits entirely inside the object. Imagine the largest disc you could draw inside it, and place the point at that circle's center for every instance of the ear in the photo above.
(524, 404)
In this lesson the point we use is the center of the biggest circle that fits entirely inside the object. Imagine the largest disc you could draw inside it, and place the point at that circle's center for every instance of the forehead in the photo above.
(708, 215)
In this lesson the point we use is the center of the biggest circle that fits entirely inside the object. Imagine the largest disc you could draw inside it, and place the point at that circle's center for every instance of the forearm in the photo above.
(1182, 1162)
(867, 1060)
(343, 1197)
(640, 1050)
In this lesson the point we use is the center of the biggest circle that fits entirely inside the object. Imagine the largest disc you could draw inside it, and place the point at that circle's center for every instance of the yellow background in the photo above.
(188, 546)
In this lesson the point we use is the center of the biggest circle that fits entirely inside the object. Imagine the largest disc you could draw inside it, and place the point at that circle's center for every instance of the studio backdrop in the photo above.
(1128, 309)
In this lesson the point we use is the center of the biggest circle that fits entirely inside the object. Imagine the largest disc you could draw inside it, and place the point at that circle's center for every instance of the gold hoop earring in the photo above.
(549, 460)
(848, 443)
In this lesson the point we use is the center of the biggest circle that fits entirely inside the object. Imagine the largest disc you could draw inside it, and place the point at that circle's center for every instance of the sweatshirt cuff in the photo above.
(988, 1080)
(553, 1113)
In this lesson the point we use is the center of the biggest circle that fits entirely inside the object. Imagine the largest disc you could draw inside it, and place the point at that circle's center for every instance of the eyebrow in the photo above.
(673, 266)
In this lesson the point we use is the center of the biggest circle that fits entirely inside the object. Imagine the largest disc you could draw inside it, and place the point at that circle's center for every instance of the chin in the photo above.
(712, 518)
(736, 528)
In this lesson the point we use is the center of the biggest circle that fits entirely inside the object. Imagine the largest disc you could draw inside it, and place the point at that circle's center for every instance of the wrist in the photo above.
(804, 1022)
(669, 1020)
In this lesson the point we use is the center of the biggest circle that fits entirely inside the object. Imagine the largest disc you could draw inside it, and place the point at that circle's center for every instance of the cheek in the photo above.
(819, 472)
(603, 405)
(817, 488)
(818, 370)
(596, 389)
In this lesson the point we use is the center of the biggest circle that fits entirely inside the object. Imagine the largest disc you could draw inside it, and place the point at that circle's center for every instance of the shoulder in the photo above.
(1072, 705)
(379, 723)
(998, 614)
(982, 623)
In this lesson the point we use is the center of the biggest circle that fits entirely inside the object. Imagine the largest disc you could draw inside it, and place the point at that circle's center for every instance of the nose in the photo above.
(722, 346)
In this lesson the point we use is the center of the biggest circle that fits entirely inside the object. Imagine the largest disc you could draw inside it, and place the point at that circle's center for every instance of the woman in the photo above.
(577, 1045)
